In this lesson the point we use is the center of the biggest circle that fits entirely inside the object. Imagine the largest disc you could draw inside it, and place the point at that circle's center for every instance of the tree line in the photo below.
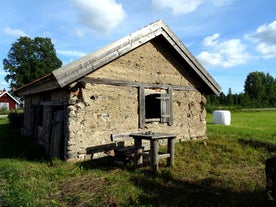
(259, 92)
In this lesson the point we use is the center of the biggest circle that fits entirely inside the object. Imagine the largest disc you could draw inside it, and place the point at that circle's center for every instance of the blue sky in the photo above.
(230, 38)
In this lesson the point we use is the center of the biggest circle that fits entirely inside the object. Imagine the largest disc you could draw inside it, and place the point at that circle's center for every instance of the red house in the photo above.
(7, 101)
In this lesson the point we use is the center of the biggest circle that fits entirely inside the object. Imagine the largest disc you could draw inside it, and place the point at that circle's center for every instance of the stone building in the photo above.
(145, 81)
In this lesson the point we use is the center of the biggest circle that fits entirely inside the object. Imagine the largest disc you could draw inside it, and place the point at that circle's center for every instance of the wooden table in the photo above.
(154, 137)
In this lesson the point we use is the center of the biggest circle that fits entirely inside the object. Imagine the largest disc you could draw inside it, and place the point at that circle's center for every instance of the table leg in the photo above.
(138, 151)
(171, 150)
(154, 154)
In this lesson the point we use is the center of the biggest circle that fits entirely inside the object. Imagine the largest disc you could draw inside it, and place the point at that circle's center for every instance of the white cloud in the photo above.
(177, 7)
(211, 40)
(71, 53)
(265, 33)
(265, 37)
(268, 51)
(15, 32)
(223, 53)
(102, 16)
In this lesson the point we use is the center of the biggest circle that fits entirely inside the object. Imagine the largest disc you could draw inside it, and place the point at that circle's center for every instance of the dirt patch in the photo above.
(84, 191)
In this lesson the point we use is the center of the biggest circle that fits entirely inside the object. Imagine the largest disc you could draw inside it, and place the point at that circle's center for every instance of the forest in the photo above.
(259, 92)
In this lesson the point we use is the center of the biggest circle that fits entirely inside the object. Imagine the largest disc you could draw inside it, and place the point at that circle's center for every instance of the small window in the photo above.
(155, 105)
(152, 106)
(4, 105)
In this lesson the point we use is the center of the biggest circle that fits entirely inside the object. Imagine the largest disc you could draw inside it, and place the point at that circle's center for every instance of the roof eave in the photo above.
(188, 56)
(43, 84)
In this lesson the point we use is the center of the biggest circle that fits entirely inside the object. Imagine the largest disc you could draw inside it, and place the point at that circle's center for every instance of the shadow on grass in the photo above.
(170, 192)
(161, 189)
(270, 147)
(11, 143)
(104, 163)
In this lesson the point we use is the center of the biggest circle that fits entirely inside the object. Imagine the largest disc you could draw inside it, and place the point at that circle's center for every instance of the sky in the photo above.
(230, 38)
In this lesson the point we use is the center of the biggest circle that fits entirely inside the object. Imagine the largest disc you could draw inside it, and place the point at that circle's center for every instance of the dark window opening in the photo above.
(153, 106)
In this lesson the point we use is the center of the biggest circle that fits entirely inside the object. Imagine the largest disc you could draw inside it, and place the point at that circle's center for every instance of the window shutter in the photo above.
(166, 107)
(141, 106)
(171, 106)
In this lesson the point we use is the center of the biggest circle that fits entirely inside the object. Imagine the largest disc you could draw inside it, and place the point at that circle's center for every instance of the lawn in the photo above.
(257, 125)
(227, 169)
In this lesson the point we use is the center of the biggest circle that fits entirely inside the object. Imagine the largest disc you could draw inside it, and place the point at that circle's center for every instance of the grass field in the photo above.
(257, 125)
(225, 170)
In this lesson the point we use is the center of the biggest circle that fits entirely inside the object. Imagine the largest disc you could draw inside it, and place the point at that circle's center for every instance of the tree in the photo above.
(270, 87)
(222, 99)
(244, 100)
(229, 97)
(212, 100)
(261, 89)
(30, 59)
(255, 88)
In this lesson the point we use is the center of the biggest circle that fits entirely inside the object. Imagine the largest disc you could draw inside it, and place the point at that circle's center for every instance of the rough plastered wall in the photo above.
(189, 121)
(104, 109)
(150, 63)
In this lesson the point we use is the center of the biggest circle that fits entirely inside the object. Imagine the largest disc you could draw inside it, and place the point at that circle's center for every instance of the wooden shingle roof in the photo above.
(73, 71)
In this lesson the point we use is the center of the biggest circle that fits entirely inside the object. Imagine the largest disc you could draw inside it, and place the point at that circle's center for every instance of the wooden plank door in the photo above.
(56, 147)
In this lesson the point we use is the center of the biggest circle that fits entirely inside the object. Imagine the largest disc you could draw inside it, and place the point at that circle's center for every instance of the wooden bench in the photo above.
(124, 152)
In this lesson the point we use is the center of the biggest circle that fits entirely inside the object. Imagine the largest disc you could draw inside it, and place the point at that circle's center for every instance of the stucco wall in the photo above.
(150, 63)
(107, 109)
(104, 109)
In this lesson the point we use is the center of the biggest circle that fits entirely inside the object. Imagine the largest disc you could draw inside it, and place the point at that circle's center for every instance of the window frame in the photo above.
(5, 105)
(166, 110)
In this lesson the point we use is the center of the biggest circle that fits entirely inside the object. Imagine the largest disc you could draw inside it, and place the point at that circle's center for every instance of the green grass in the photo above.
(223, 170)
(257, 125)
(4, 111)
